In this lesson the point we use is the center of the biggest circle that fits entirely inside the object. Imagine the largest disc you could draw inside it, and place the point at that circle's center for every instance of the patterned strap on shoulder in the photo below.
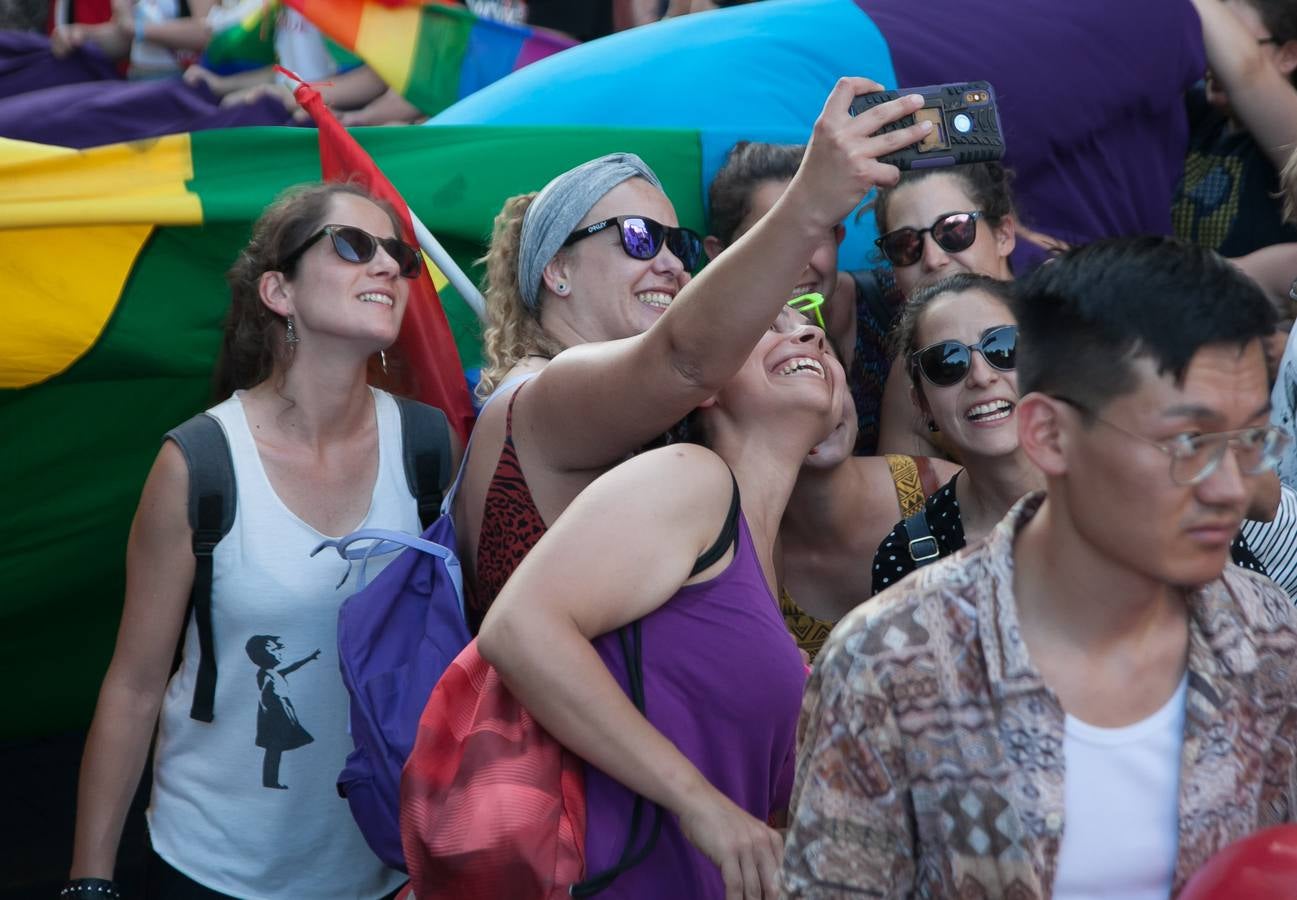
(910, 492)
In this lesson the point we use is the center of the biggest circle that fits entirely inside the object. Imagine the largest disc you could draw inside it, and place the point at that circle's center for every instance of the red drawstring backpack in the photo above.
(491, 805)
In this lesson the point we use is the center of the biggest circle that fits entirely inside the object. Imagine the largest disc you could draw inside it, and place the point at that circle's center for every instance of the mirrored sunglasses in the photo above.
(947, 362)
(952, 232)
(355, 245)
(643, 238)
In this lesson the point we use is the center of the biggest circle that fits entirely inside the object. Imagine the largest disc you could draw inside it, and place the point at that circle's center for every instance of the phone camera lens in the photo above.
(962, 123)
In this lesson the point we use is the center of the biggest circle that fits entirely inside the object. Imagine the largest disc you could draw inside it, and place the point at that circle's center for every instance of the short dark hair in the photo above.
(748, 165)
(1083, 317)
(1279, 18)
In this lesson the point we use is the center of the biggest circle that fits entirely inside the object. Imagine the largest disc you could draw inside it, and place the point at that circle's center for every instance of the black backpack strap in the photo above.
(211, 515)
(632, 649)
(729, 534)
(922, 546)
(869, 294)
(425, 443)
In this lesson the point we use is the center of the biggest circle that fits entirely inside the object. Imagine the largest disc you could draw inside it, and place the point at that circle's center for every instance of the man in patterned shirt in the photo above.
(1091, 702)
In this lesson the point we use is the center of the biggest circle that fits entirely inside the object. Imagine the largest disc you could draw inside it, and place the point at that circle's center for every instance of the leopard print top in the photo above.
(511, 526)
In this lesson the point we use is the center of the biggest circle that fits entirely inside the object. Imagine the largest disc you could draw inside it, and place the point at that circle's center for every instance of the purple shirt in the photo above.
(723, 681)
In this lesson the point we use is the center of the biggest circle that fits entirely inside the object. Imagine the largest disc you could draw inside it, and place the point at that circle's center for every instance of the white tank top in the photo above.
(1121, 809)
(247, 804)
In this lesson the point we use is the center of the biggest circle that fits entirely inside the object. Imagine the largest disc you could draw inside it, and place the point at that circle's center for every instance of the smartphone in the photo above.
(965, 125)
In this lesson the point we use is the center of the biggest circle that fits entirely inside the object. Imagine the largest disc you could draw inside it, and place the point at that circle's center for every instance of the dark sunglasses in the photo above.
(947, 362)
(643, 238)
(952, 231)
(355, 245)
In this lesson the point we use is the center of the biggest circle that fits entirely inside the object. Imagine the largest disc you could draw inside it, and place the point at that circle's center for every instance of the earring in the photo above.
(382, 360)
(561, 288)
(932, 426)
(290, 336)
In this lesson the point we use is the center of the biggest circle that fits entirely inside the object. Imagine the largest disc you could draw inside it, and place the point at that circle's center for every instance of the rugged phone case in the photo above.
(966, 125)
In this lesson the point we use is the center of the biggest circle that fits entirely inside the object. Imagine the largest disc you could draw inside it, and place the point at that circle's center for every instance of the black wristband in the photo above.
(90, 889)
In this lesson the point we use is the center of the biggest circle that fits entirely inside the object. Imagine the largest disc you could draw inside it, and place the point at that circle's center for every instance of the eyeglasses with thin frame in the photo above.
(947, 362)
(952, 232)
(355, 245)
(643, 238)
(1194, 457)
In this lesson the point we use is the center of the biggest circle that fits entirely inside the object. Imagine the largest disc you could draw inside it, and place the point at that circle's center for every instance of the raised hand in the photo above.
(841, 164)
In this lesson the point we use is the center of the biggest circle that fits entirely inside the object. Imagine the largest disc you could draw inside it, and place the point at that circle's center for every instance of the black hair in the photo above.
(748, 165)
(1279, 18)
(1085, 316)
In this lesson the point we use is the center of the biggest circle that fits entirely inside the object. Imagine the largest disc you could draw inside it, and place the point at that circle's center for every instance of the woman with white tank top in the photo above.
(245, 805)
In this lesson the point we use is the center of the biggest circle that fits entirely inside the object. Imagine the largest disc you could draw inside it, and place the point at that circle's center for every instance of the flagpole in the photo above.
(454, 274)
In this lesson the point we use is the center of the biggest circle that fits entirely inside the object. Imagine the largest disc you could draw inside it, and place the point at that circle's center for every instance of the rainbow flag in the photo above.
(248, 43)
(434, 54)
(113, 260)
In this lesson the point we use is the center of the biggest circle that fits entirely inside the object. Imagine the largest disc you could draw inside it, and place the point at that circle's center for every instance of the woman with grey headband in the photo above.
(593, 273)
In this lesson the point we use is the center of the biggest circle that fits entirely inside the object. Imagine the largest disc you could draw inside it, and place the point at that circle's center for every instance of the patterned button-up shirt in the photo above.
(930, 757)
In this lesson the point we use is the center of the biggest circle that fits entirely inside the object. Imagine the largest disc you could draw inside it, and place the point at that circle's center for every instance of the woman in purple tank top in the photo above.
(722, 677)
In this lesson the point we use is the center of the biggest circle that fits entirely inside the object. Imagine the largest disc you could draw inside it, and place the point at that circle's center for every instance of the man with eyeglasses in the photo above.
(1091, 702)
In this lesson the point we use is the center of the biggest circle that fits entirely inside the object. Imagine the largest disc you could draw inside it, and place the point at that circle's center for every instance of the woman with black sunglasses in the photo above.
(958, 339)
(932, 224)
(244, 801)
(598, 338)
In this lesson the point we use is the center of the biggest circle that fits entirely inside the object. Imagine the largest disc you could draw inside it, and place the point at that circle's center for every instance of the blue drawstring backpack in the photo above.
(396, 636)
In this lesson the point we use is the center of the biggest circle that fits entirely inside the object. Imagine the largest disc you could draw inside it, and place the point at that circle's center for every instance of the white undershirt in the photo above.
(1121, 807)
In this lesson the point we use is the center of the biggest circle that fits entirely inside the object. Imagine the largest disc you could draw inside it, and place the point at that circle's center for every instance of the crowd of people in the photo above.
(946, 580)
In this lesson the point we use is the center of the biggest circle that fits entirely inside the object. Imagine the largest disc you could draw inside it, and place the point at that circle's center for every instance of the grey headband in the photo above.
(560, 207)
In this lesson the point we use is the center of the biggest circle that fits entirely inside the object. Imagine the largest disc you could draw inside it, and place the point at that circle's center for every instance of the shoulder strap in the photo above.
(212, 501)
(910, 488)
(425, 444)
(508, 415)
(729, 534)
(869, 293)
(922, 546)
(633, 651)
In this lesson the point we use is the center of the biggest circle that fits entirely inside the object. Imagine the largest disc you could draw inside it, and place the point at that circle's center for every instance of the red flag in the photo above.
(426, 342)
